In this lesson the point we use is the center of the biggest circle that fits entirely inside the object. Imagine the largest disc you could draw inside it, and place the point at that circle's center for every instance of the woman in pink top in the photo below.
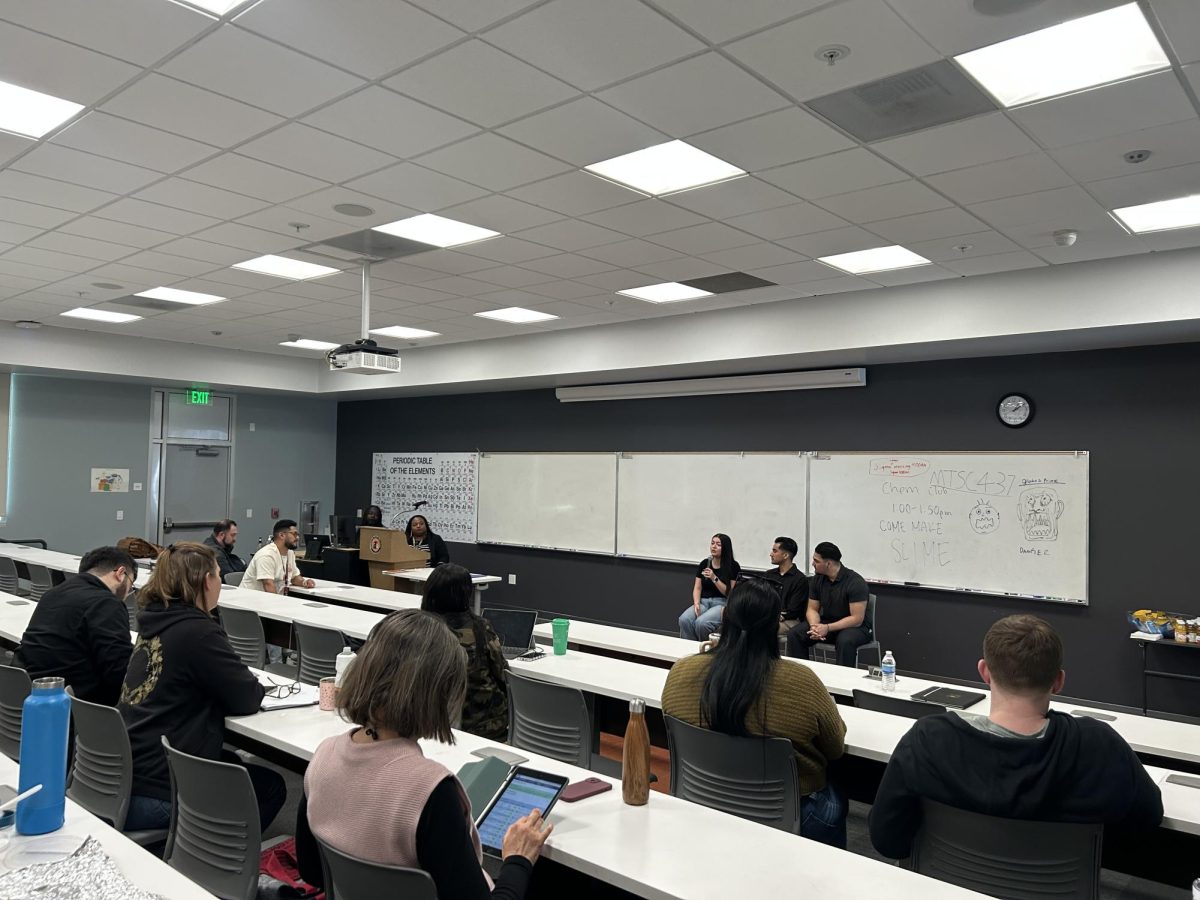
(371, 792)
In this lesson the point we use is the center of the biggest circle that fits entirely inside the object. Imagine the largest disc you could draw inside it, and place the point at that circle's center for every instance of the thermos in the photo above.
(44, 726)
(635, 757)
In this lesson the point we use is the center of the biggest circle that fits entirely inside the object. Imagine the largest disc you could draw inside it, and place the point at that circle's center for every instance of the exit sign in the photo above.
(198, 398)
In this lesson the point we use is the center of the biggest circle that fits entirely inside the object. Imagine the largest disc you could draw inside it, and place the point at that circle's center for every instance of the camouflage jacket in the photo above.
(485, 708)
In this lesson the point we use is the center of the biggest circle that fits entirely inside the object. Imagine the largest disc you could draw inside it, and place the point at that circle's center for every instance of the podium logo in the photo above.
(375, 545)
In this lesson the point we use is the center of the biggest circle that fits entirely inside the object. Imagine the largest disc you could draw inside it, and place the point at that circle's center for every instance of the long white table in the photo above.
(419, 576)
(341, 594)
(67, 563)
(355, 623)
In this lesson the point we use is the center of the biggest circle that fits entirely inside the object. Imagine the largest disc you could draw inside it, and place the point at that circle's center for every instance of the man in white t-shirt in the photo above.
(273, 568)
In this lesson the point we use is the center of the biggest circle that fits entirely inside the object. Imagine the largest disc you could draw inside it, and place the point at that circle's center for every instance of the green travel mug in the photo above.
(560, 635)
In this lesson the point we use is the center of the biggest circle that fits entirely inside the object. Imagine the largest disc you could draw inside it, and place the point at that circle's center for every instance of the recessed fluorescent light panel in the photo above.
(1182, 212)
(517, 315)
(880, 259)
(216, 7)
(174, 295)
(282, 267)
(665, 169)
(1082, 53)
(31, 114)
(436, 230)
(670, 292)
(306, 344)
(100, 315)
(399, 331)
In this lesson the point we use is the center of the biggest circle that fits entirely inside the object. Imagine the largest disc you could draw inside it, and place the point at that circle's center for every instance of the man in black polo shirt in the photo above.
(80, 628)
(793, 584)
(837, 608)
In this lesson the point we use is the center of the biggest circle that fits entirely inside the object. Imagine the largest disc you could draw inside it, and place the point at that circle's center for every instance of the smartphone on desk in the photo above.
(524, 791)
(580, 790)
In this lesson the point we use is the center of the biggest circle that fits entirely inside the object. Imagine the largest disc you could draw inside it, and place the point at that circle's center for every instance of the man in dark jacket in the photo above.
(1021, 761)
(80, 628)
(221, 542)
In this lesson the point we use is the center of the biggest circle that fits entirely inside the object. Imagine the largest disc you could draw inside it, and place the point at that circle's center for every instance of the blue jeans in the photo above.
(699, 628)
(823, 817)
(270, 790)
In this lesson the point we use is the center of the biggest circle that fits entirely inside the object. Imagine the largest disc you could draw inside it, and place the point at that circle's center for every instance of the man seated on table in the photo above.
(273, 568)
(221, 542)
(1022, 760)
(792, 583)
(837, 609)
(80, 629)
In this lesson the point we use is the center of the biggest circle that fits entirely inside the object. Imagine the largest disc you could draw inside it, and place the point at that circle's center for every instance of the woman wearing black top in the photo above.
(715, 578)
(421, 538)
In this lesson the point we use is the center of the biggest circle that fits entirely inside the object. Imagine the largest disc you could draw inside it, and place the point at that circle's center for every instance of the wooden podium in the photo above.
(387, 548)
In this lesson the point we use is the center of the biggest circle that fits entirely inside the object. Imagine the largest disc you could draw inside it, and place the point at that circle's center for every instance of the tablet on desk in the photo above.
(523, 792)
(951, 698)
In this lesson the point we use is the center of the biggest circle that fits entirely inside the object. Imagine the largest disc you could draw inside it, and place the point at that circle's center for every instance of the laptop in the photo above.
(514, 628)
(951, 698)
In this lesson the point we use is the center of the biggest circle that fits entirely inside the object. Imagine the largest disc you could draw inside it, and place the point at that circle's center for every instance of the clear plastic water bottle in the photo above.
(888, 670)
(341, 664)
(1196, 889)
(44, 720)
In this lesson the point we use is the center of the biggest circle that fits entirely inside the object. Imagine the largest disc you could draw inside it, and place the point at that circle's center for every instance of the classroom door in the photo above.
(191, 464)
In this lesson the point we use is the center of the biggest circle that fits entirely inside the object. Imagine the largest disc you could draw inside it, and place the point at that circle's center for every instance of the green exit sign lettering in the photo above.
(198, 398)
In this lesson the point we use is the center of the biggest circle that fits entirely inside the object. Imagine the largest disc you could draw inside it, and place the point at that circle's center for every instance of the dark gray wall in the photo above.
(1135, 410)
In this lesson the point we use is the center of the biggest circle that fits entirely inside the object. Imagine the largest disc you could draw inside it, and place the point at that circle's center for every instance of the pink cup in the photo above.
(328, 694)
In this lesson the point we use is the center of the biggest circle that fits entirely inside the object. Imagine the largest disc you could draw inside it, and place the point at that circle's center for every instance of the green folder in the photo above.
(482, 778)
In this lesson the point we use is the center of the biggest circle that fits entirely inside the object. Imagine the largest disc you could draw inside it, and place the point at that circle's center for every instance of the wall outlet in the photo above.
(249, 514)
(512, 579)
(120, 515)
(358, 513)
(137, 485)
(251, 426)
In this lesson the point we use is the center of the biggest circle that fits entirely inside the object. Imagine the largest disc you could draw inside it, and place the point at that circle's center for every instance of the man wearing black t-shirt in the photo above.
(837, 608)
(792, 583)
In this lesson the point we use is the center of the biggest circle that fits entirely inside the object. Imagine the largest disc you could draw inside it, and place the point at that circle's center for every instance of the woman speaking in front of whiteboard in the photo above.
(715, 577)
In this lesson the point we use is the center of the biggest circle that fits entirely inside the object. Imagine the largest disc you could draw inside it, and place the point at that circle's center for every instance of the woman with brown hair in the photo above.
(183, 680)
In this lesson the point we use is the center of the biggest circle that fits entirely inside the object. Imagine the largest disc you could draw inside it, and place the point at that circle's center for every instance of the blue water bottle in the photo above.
(44, 723)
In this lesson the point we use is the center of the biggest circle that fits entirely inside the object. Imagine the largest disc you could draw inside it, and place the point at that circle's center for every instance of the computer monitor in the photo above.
(314, 544)
(514, 627)
(344, 530)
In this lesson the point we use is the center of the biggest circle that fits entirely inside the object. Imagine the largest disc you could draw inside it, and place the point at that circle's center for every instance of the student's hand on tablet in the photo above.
(526, 836)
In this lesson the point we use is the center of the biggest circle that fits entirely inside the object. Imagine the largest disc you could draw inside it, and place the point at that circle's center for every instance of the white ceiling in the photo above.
(204, 140)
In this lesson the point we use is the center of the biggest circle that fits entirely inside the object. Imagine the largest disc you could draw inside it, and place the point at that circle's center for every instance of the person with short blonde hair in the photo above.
(371, 792)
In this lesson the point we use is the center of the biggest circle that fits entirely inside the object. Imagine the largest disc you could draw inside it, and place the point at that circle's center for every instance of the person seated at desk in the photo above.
(371, 792)
(716, 576)
(183, 680)
(742, 688)
(793, 584)
(448, 594)
(1022, 760)
(837, 608)
(79, 630)
(273, 568)
(221, 542)
(421, 538)
(373, 517)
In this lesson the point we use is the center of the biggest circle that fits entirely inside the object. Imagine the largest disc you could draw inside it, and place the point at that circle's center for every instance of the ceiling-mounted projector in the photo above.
(364, 357)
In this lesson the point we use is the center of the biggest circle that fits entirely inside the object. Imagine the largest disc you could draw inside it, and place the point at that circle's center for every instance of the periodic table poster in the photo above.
(449, 481)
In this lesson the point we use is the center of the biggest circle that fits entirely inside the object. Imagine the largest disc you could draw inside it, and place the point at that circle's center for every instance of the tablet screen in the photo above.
(525, 791)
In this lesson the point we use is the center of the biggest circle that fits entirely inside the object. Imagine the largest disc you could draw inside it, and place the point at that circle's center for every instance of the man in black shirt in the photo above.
(80, 629)
(221, 542)
(837, 608)
(793, 584)
(1021, 761)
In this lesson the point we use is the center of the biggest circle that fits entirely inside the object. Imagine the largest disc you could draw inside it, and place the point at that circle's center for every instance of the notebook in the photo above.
(951, 698)
(514, 628)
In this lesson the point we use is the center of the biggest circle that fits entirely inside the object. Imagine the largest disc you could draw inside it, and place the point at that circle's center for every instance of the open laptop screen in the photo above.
(514, 626)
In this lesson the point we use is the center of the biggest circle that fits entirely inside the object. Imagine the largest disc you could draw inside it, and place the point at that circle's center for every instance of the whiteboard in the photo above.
(999, 523)
(671, 504)
(559, 501)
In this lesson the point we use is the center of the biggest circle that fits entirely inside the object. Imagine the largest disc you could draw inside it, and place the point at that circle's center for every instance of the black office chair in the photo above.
(896, 706)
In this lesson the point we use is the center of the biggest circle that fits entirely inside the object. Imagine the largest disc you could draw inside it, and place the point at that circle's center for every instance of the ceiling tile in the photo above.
(1101, 248)
(471, 15)
(133, 236)
(583, 131)
(78, 245)
(1060, 204)
(498, 89)
(571, 265)
(955, 249)
(1147, 187)
(1007, 178)
(885, 202)
(13, 144)
(36, 189)
(784, 136)
(733, 198)
(430, 266)
(162, 218)
(321, 203)
(719, 20)
(835, 240)
(55, 67)
(627, 254)
(1000, 262)
(704, 238)
(282, 220)
(386, 121)
(787, 54)
(915, 275)
(129, 142)
(316, 153)
(1180, 21)
(1169, 145)
(646, 217)
(243, 237)
(493, 162)
(1104, 111)
(927, 226)
(512, 277)
(190, 111)
(787, 221)
(837, 173)
(593, 44)
(1172, 240)
(1095, 227)
(754, 256)
(200, 198)
(681, 269)
(795, 272)
(571, 235)
(979, 140)
(32, 214)
(204, 251)
(510, 249)
(53, 260)
(236, 63)
(955, 28)
(574, 194)
(563, 290)
(500, 213)
(416, 187)
(459, 285)
(165, 262)
(243, 175)
(698, 94)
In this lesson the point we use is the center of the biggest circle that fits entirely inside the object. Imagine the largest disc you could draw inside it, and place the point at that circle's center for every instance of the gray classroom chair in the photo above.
(102, 768)
(131, 608)
(826, 651)
(1008, 858)
(549, 719)
(245, 632)
(15, 686)
(896, 706)
(233, 578)
(750, 777)
(215, 838)
(10, 581)
(319, 648)
(40, 581)
(350, 878)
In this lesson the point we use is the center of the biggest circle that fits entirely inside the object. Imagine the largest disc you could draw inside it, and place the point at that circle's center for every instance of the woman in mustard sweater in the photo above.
(743, 688)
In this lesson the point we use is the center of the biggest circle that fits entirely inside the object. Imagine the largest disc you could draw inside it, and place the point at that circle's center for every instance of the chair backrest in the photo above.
(233, 578)
(102, 770)
(1008, 858)
(39, 580)
(751, 777)
(870, 617)
(131, 608)
(9, 579)
(896, 706)
(549, 719)
(14, 688)
(319, 648)
(350, 878)
(215, 838)
(244, 629)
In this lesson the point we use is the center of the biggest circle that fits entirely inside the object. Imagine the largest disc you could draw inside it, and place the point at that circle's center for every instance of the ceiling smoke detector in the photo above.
(356, 210)
(832, 54)
(1066, 237)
